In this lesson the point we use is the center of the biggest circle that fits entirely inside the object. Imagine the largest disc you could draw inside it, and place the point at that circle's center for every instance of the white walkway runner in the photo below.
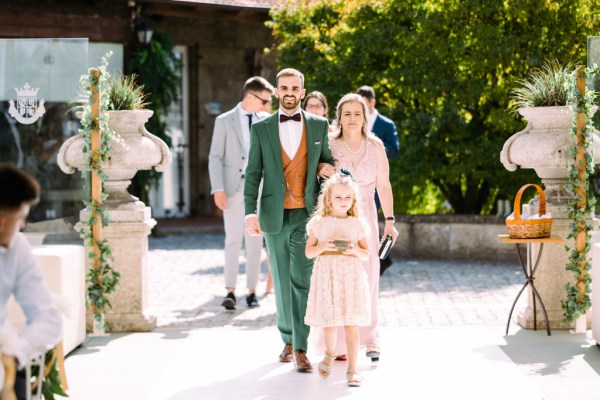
(453, 363)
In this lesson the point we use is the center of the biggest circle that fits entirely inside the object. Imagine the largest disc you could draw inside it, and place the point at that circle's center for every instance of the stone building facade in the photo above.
(221, 43)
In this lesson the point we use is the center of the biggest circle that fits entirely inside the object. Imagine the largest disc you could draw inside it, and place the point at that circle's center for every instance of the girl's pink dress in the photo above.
(339, 291)
(365, 174)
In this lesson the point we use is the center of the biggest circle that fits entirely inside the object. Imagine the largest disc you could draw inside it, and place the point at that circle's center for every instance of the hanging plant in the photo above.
(158, 70)
(578, 301)
(102, 279)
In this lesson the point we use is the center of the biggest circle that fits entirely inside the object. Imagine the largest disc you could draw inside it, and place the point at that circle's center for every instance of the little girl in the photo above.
(339, 290)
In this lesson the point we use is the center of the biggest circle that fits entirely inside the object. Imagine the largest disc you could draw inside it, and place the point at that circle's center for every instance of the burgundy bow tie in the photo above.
(295, 117)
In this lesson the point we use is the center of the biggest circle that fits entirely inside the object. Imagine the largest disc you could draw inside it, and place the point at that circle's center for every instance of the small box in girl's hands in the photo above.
(341, 244)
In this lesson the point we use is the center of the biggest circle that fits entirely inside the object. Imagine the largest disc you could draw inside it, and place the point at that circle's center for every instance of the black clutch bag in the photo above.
(385, 246)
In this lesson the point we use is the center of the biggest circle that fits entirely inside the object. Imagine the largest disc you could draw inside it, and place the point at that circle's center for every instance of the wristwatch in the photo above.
(392, 218)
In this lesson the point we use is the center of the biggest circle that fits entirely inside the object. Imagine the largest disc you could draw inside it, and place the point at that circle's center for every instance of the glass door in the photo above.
(171, 196)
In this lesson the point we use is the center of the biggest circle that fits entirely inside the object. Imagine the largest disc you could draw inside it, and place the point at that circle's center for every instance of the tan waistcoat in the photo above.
(294, 172)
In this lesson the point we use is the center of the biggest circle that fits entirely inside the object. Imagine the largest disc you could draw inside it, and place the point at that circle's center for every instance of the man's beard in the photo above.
(289, 106)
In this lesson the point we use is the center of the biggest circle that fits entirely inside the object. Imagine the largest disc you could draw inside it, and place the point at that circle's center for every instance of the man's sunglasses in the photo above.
(264, 102)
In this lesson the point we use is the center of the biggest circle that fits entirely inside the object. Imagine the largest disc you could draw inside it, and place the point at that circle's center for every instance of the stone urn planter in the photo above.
(544, 146)
(130, 220)
(142, 150)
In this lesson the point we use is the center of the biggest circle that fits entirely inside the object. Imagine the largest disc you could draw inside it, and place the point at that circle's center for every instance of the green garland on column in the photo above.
(97, 290)
(574, 305)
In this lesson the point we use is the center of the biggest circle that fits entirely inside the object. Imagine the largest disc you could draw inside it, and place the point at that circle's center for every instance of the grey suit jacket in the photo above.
(227, 156)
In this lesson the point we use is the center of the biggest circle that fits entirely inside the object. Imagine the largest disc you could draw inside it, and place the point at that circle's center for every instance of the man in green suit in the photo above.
(289, 151)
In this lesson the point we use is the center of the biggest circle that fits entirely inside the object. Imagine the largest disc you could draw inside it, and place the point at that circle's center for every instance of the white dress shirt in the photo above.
(21, 276)
(371, 117)
(246, 130)
(290, 135)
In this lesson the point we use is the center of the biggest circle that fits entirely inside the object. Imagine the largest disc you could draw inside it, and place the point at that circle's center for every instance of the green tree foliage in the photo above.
(157, 69)
(443, 71)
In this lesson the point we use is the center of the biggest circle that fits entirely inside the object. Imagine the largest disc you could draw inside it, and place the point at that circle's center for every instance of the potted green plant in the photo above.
(546, 86)
(542, 99)
(125, 94)
(140, 150)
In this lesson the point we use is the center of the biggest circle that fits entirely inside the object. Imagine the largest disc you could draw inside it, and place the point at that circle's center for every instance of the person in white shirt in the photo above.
(20, 273)
(227, 162)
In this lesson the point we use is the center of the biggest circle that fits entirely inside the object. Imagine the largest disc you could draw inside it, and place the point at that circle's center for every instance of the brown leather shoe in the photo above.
(286, 354)
(301, 362)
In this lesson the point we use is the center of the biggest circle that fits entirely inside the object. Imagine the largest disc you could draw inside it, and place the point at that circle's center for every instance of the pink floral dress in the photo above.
(339, 291)
(365, 174)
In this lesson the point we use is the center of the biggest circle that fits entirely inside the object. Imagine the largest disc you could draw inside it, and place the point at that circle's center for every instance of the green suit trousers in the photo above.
(291, 273)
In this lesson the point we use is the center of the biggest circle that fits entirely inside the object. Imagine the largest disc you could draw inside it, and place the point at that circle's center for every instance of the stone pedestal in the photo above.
(127, 236)
(596, 291)
(549, 280)
(551, 276)
(130, 221)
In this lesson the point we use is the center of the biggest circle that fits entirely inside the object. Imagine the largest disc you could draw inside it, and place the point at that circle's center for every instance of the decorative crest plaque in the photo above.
(28, 109)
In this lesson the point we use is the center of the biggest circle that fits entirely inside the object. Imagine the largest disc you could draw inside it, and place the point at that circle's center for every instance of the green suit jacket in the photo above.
(265, 163)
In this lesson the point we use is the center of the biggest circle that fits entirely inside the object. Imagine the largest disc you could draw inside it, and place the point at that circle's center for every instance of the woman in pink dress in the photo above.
(361, 153)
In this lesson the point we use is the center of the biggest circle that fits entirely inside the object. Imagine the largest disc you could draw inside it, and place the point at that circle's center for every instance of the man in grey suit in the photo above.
(227, 162)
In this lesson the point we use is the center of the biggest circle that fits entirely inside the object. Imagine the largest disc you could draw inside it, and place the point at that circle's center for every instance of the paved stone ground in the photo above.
(186, 287)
